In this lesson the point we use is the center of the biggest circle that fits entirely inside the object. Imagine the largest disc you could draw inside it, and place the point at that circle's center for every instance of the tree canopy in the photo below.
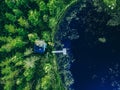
(21, 23)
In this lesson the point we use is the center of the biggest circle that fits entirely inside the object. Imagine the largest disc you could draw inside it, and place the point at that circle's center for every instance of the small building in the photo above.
(40, 46)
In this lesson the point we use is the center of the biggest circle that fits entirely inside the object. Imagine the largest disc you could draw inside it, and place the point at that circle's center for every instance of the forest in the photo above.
(24, 21)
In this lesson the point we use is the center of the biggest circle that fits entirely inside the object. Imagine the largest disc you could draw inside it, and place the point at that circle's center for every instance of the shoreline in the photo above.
(64, 62)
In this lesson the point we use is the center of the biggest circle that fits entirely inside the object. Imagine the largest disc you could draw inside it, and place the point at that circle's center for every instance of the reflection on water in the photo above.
(96, 51)
(95, 47)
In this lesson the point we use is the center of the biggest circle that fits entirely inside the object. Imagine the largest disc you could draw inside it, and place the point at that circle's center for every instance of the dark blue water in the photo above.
(97, 63)
(92, 57)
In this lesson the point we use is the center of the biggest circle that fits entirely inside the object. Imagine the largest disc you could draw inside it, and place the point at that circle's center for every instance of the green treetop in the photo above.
(10, 17)
(33, 17)
(23, 22)
(110, 3)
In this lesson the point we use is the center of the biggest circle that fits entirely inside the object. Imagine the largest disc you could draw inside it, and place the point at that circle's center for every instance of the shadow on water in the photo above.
(92, 56)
